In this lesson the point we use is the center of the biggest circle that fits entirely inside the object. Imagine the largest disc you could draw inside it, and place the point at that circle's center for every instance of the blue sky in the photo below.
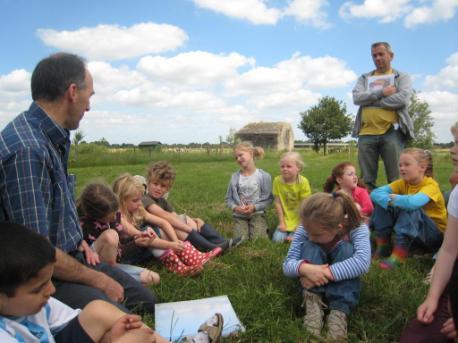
(182, 71)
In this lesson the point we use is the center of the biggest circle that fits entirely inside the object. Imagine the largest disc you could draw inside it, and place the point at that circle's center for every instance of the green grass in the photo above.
(267, 303)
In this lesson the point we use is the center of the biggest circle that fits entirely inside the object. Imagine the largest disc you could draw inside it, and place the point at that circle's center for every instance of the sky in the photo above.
(182, 71)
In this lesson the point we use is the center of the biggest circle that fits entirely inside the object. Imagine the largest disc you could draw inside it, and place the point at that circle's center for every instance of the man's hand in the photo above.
(110, 287)
(389, 90)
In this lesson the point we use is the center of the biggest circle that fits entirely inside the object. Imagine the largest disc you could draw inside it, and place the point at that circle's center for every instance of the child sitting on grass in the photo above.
(249, 193)
(412, 208)
(29, 314)
(343, 176)
(289, 189)
(181, 258)
(329, 253)
(101, 223)
(203, 236)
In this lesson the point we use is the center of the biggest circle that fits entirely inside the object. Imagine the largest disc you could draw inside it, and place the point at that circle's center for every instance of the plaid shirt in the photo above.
(35, 189)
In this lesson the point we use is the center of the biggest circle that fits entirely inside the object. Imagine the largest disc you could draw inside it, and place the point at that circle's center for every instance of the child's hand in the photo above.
(315, 273)
(281, 227)
(92, 258)
(239, 209)
(124, 324)
(149, 232)
(142, 241)
(178, 246)
(448, 328)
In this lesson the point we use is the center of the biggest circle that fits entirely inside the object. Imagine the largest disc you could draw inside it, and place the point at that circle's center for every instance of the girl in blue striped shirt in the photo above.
(329, 252)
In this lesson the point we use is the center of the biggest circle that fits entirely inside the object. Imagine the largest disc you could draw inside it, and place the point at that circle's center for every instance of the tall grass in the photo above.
(267, 303)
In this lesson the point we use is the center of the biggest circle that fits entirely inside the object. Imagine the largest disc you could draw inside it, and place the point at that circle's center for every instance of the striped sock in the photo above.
(382, 247)
(397, 257)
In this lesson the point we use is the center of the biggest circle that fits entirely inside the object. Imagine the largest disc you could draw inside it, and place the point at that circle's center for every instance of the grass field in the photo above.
(267, 303)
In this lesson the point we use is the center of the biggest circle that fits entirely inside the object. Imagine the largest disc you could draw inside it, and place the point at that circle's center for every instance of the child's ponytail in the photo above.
(331, 210)
(352, 216)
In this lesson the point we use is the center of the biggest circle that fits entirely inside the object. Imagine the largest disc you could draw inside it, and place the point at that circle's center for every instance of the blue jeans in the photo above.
(387, 146)
(133, 271)
(408, 226)
(341, 295)
(76, 295)
(280, 236)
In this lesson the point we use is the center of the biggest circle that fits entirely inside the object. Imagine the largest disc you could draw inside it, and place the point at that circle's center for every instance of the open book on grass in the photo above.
(178, 319)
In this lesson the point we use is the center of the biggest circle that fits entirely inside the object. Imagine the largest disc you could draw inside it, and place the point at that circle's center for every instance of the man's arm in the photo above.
(69, 269)
(401, 98)
(363, 96)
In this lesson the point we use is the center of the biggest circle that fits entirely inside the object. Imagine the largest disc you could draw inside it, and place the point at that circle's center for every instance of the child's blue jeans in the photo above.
(280, 236)
(341, 295)
(408, 226)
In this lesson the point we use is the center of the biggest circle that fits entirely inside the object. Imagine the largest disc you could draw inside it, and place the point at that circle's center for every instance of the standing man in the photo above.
(382, 123)
(36, 190)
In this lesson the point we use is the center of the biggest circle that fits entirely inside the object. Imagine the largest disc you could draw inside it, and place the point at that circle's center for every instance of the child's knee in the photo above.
(109, 238)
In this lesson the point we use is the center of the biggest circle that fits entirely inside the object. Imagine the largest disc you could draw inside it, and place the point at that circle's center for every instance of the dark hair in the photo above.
(53, 75)
(96, 201)
(330, 210)
(338, 171)
(161, 171)
(23, 253)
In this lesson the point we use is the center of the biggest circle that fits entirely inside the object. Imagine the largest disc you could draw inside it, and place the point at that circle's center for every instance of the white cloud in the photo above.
(254, 11)
(447, 77)
(440, 10)
(320, 72)
(308, 12)
(386, 10)
(193, 68)
(114, 42)
(16, 82)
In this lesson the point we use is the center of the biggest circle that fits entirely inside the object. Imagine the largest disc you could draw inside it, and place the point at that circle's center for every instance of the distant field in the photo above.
(267, 303)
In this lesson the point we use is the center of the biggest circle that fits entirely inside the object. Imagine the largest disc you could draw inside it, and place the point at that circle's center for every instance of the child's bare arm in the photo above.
(160, 243)
(171, 217)
(130, 228)
(163, 224)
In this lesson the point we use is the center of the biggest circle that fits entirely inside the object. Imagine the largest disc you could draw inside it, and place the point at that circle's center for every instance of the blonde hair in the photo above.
(423, 157)
(295, 156)
(331, 210)
(125, 187)
(257, 152)
(454, 128)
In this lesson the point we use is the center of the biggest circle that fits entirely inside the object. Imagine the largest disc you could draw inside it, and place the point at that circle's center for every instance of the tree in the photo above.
(422, 123)
(77, 138)
(230, 138)
(326, 121)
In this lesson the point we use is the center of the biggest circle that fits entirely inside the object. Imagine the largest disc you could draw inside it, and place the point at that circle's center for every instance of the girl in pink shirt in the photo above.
(343, 177)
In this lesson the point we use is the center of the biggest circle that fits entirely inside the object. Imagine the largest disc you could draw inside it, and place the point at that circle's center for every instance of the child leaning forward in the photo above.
(329, 253)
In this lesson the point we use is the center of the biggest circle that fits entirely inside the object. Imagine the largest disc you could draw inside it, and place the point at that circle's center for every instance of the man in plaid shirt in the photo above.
(36, 190)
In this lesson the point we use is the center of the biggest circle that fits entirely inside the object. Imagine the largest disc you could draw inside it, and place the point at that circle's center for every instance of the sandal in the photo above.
(213, 327)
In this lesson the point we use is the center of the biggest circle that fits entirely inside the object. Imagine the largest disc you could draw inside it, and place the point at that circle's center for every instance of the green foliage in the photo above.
(77, 138)
(267, 303)
(422, 122)
(326, 121)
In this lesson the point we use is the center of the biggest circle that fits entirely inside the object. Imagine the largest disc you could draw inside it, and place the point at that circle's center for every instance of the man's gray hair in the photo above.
(385, 44)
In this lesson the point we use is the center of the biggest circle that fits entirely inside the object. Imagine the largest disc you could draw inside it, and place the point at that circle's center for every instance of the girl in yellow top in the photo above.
(289, 189)
(412, 208)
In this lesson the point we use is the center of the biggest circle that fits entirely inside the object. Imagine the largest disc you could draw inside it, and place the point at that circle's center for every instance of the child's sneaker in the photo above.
(336, 325)
(313, 319)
